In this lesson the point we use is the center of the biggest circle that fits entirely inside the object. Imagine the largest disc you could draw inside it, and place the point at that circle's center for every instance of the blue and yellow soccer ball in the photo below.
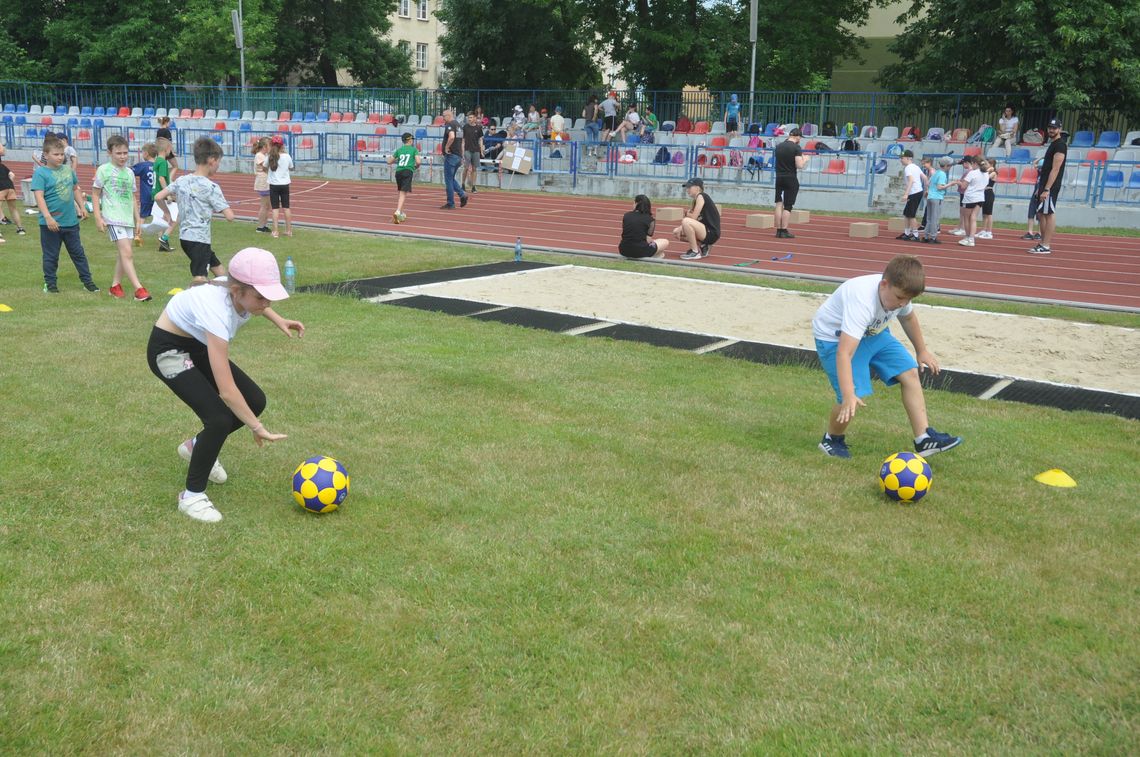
(320, 484)
(905, 477)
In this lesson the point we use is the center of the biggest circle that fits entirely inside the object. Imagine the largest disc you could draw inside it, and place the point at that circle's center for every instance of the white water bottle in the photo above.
(290, 275)
(518, 250)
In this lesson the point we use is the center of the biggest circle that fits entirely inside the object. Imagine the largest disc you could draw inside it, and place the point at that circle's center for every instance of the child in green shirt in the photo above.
(161, 182)
(406, 158)
(117, 213)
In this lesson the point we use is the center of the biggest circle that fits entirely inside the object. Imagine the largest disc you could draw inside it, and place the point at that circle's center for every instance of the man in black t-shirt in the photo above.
(789, 158)
(700, 228)
(472, 149)
(452, 160)
(1049, 187)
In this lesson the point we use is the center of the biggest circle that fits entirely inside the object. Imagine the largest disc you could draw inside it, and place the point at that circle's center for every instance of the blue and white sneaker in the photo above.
(936, 442)
(834, 447)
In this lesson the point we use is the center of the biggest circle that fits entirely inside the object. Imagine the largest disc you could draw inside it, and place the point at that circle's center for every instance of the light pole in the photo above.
(239, 40)
(753, 12)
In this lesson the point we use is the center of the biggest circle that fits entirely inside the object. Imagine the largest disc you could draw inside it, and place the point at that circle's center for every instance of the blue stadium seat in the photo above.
(219, 137)
(1109, 140)
(21, 119)
(7, 118)
(22, 108)
(297, 116)
(1113, 179)
(99, 111)
(770, 129)
(235, 115)
(85, 110)
(61, 110)
(85, 123)
(73, 122)
(1082, 139)
(148, 112)
(245, 126)
(322, 117)
(98, 122)
(144, 123)
(1134, 180)
(1019, 155)
(10, 108)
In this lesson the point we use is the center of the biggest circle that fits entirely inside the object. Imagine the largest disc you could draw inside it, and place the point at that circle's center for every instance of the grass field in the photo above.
(552, 545)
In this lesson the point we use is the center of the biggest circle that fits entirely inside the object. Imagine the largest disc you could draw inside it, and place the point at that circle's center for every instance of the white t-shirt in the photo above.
(609, 107)
(914, 173)
(976, 183)
(281, 175)
(633, 118)
(557, 122)
(855, 309)
(203, 309)
(1007, 125)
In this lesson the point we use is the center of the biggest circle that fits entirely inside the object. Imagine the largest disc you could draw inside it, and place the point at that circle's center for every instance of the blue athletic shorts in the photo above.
(882, 353)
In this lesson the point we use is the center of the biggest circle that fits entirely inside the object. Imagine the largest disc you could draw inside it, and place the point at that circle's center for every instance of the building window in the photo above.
(405, 48)
(421, 9)
(421, 56)
(406, 8)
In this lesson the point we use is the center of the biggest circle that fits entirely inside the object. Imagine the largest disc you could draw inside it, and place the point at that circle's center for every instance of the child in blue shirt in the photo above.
(60, 202)
(144, 169)
(935, 194)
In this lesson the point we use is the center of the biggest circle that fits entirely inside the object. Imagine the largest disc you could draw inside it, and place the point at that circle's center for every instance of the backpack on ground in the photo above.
(735, 159)
(1033, 137)
(850, 145)
(880, 166)
(828, 129)
(979, 136)
(662, 156)
(678, 158)
(755, 141)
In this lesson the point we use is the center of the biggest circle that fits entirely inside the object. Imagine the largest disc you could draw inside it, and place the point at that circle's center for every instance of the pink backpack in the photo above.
(678, 158)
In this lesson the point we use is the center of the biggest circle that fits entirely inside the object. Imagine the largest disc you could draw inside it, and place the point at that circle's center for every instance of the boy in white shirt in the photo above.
(912, 195)
(853, 338)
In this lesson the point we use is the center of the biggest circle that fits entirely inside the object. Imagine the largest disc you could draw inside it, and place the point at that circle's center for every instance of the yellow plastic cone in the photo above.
(1056, 477)
(5, 309)
(175, 290)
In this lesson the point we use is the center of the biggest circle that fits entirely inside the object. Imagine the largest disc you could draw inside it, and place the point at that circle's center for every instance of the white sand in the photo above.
(1101, 357)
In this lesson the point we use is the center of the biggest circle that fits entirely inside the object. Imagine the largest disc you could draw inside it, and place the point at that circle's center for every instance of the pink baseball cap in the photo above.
(258, 268)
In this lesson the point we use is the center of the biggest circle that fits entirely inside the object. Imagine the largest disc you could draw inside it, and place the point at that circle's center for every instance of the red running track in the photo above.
(1098, 271)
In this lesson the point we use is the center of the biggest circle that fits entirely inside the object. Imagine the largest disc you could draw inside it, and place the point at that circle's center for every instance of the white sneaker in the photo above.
(198, 507)
(959, 232)
(967, 242)
(985, 235)
(217, 473)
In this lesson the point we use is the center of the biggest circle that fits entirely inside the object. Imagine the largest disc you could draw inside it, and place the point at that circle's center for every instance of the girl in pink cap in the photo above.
(189, 352)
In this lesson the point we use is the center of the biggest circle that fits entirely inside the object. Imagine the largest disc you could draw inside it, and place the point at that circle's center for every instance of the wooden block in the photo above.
(670, 214)
(800, 216)
(863, 230)
(895, 224)
(759, 221)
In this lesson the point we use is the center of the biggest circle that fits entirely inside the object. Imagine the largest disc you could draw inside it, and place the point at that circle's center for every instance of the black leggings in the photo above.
(183, 364)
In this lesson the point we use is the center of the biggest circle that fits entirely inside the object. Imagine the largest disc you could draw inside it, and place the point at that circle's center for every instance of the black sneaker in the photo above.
(5, 221)
(463, 201)
(1039, 249)
(262, 229)
(704, 250)
(164, 245)
(779, 233)
(90, 286)
(690, 255)
(835, 447)
(936, 442)
(925, 240)
(445, 206)
(934, 240)
(51, 289)
(1036, 236)
(788, 234)
(20, 231)
(1028, 237)
(904, 237)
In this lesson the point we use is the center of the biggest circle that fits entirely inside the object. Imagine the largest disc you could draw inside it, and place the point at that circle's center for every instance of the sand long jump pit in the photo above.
(1015, 357)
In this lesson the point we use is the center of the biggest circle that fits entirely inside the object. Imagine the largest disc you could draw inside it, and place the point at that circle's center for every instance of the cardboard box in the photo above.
(895, 224)
(759, 221)
(670, 214)
(800, 216)
(517, 158)
(863, 230)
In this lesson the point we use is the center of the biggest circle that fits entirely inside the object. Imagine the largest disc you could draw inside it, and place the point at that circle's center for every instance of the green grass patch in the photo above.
(552, 545)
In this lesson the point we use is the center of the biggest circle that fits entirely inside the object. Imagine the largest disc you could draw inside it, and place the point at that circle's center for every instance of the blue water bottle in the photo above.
(518, 250)
(290, 275)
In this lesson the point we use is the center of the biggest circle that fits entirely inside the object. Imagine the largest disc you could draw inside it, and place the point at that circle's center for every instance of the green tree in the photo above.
(1064, 54)
(539, 44)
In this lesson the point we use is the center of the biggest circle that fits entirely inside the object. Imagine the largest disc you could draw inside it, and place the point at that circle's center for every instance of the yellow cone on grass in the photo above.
(175, 290)
(1056, 477)
(5, 309)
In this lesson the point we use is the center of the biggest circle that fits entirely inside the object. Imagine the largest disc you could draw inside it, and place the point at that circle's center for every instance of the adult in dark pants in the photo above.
(789, 158)
(637, 232)
(452, 160)
(1049, 187)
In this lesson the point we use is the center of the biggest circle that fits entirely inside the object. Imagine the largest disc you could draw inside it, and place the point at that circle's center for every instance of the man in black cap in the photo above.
(700, 228)
(1049, 187)
(789, 158)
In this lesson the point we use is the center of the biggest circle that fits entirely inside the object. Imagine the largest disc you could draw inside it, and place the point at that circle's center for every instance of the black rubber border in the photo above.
(535, 319)
(385, 284)
(1071, 398)
(680, 340)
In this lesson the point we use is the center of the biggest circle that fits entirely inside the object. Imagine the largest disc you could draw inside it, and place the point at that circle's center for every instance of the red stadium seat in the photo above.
(910, 133)
(84, 134)
(334, 117)
(972, 150)
(836, 167)
(298, 128)
(702, 127)
(124, 112)
(1028, 176)
(45, 121)
(438, 121)
(198, 113)
(283, 127)
(959, 135)
(307, 143)
(1095, 156)
(388, 119)
(361, 145)
(185, 113)
(220, 126)
(380, 130)
(284, 116)
(723, 142)
(373, 118)
(1006, 175)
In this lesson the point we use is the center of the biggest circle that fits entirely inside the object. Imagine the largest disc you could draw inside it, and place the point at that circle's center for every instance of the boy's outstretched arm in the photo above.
(913, 331)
